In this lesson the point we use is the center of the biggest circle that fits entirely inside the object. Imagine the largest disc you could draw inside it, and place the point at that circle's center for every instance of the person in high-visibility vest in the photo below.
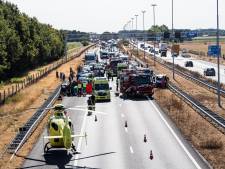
(75, 90)
(84, 87)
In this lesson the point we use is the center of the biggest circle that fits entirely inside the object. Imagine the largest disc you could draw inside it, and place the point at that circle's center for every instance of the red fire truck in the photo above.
(135, 83)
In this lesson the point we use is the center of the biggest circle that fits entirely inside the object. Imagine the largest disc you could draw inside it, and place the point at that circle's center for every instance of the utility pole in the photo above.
(144, 30)
(136, 16)
(153, 6)
(218, 54)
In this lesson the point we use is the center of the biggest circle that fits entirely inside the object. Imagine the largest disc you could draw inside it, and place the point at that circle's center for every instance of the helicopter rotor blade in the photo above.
(93, 111)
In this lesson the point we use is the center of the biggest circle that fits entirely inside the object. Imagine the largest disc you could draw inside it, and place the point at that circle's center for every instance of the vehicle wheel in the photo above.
(151, 97)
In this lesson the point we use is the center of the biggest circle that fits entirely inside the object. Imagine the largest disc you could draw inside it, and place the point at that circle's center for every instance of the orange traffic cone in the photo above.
(151, 155)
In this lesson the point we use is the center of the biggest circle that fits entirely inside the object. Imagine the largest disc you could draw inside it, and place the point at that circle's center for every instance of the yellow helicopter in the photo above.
(60, 130)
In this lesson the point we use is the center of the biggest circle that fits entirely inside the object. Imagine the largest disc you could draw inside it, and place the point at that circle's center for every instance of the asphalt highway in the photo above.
(111, 145)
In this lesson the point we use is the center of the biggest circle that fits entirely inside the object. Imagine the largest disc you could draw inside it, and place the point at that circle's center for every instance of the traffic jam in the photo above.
(105, 63)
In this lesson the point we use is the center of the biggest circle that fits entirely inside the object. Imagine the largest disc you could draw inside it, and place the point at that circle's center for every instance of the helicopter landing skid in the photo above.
(47, 147)
(74, 150)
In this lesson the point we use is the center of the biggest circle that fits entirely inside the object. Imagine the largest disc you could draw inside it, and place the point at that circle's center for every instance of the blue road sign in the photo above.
(191, 34)
(214, 50)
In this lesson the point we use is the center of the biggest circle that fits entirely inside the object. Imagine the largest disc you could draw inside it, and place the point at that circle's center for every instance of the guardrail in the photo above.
(215, 119)
(187, 76)
(32, 123)
(204, 111)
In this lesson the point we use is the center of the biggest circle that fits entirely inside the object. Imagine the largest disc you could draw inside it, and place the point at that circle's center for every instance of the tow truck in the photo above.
(134, 83)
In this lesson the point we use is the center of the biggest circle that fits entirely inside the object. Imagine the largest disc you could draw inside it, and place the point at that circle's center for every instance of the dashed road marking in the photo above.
(175, 135)
(131, 150)
(80, 139)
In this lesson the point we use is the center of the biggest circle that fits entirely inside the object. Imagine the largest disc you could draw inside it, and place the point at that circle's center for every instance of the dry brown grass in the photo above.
(37, 70)
(201, 134)
(212, 143)
(202, 47)
(13, 114)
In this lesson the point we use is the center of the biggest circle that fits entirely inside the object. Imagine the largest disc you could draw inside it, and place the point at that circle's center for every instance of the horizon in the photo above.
(97, 18)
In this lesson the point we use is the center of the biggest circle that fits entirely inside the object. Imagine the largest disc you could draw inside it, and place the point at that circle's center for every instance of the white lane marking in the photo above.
(122, 115)
(131, 150)
(176, 137)
(80, 140)
(126, 130)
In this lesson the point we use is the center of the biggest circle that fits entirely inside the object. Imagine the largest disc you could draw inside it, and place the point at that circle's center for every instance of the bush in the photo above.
(212, 143)
(85, 43)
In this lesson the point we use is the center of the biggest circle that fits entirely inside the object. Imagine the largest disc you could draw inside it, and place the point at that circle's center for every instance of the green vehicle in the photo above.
(120, 67)
(101, 89)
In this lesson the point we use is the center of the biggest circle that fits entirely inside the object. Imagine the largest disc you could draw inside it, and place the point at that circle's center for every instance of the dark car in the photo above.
(163, 53)
(189, 64)
(209, 72)
(142, 45)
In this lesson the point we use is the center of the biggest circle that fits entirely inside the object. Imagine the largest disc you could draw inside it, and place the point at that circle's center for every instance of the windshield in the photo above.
(101, 86)
(141, 80)
(90, 57)
(159, 78)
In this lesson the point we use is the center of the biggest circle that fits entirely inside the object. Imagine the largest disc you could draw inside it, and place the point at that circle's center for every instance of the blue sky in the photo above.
(111, 15)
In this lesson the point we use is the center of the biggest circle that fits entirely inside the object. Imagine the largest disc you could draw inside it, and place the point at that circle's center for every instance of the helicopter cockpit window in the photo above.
(59, 114)
(70, 124)
(55, 126)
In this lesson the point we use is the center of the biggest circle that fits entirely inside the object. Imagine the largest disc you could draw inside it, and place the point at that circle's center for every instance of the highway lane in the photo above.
(113, 146)
(199, 65)
(110, 145)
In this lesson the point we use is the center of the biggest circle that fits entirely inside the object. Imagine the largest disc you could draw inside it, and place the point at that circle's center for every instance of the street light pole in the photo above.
(172, 54)
(132, 21)
(153, 6)
(218, 55)
(129, 28)
(136, 33)
(144, 30)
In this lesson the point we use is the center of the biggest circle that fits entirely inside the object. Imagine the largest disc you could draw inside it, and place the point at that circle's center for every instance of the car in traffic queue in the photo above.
(90, 57)
(189, 64)
(209, 72)
(101, 89)
(104, 54)
(120, 67)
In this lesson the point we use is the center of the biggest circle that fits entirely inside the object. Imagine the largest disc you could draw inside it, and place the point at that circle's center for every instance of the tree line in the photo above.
(25, 43)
